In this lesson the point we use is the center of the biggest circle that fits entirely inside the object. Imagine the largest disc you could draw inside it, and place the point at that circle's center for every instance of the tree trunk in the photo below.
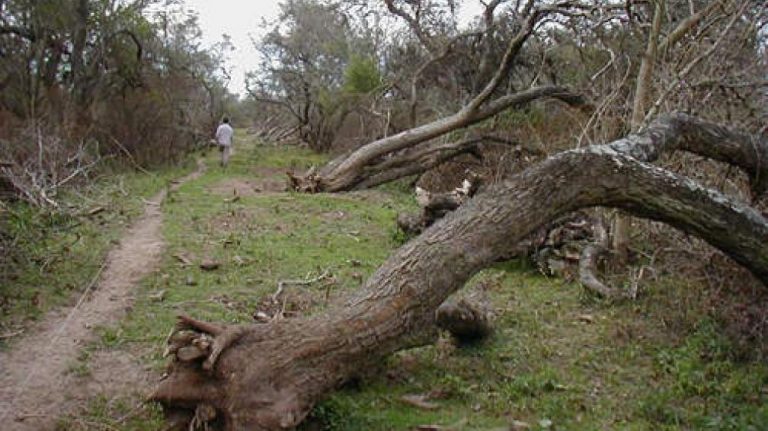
(621, 223)
(269, 376)
(80, 35)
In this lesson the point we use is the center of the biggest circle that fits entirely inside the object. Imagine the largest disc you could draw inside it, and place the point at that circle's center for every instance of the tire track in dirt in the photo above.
(36, 385)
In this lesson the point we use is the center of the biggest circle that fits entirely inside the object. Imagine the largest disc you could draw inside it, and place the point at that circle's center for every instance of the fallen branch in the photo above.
(353, 171)
(11, 334)
(306, 282)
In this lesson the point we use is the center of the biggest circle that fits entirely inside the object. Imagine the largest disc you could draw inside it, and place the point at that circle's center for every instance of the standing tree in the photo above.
(311, 67)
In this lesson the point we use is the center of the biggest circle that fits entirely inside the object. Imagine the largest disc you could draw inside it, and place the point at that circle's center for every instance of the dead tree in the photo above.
(268, 376)
(435, 206)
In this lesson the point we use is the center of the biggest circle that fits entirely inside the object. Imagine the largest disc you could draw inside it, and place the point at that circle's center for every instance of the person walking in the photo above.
(224, 135)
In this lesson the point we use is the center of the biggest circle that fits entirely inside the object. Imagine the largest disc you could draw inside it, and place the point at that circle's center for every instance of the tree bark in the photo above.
(269, 376)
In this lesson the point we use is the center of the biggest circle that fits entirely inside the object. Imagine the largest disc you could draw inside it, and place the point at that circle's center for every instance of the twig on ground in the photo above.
(185, 261)
(306, 282)
(11, 334)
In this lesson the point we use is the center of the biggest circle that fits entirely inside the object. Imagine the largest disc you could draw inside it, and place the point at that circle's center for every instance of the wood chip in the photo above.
(586, 318)
(183, 259)
(209, 265)
(420, 401)
(190, 353)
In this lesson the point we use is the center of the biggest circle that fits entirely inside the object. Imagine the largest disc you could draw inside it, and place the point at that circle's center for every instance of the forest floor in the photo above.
(559, 359)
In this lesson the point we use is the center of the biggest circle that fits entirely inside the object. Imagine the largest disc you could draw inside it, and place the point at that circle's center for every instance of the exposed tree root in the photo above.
(435, 206)
(186, 322)
(466, 321)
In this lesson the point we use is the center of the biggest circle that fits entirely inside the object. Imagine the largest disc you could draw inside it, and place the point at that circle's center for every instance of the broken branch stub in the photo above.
(467, 322)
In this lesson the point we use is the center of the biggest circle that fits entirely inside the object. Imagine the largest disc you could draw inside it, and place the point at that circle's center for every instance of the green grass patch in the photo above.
(123, 413)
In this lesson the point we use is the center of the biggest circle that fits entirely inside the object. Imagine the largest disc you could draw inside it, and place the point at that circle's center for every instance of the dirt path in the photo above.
(36, 384)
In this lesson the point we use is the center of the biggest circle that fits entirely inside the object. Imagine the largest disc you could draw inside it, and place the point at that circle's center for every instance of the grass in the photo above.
(559, 359)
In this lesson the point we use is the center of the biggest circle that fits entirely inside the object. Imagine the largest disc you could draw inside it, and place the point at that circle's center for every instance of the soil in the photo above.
(237, 187)
(37, 384)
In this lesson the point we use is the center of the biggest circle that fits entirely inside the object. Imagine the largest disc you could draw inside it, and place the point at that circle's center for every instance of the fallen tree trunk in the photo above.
(269, 376)
(371, 164)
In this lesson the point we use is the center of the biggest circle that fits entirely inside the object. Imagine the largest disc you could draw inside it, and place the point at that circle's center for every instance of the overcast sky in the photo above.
(242, 18)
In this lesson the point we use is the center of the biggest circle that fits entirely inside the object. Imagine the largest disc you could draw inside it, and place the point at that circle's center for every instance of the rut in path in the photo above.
(36, 387)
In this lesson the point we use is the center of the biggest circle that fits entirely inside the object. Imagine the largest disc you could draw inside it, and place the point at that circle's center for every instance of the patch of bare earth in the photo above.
(246, 188)
(36, 383)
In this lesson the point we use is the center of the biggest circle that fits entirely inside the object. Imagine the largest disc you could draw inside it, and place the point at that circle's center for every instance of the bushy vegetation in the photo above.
(90, 89)
(86, 81)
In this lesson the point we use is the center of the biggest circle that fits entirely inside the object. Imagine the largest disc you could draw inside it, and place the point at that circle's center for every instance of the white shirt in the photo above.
(224, 135)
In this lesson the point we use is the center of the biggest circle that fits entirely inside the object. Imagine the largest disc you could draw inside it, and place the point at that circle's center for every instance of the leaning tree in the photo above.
(268, 376)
